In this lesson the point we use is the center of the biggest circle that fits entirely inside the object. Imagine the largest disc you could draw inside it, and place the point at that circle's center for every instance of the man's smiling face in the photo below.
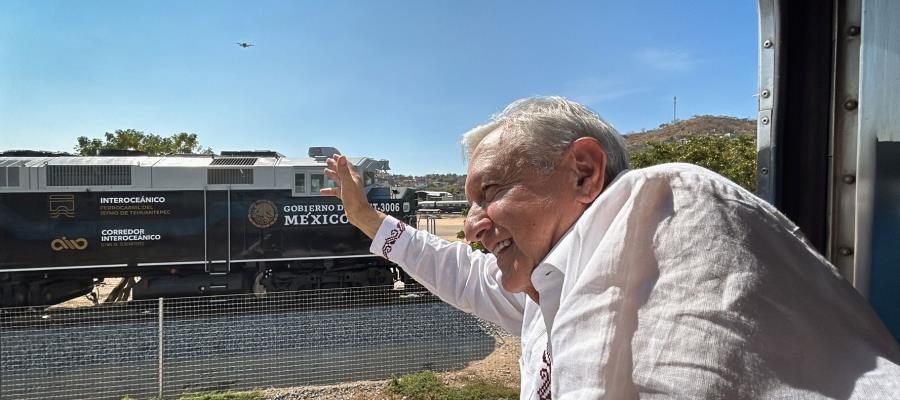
(516, 211)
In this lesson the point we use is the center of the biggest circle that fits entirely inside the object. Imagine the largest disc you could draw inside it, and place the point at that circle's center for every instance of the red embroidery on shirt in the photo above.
(392, 239)
(544, 390)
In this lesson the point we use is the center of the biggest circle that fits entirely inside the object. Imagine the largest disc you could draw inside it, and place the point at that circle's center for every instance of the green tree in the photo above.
(131, 139)
(733, 158)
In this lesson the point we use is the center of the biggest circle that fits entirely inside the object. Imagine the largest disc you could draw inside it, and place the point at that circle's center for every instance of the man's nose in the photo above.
(476, 224)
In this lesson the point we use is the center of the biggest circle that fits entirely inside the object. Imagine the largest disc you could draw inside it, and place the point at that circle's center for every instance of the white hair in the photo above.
(542, 128)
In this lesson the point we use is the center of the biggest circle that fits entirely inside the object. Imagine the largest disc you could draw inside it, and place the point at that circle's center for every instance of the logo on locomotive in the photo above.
(62, 205)
(262, 214)
(62, 243)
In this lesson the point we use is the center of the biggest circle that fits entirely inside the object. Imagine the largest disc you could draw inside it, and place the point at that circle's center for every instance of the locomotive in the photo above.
(237, 222)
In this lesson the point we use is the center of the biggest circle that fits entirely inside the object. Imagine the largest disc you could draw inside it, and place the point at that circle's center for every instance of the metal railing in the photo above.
(428, 220)
(168, 347)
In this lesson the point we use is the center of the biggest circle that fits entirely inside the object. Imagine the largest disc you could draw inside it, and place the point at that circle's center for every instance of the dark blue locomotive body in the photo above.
(215, 231)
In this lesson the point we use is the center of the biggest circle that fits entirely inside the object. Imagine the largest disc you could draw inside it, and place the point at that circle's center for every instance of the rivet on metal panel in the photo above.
(764, 120)
(767, 43)
(846, 251)
(764, 171)
(851, 104)
(765, 94)
(849, 179)
(853, 31)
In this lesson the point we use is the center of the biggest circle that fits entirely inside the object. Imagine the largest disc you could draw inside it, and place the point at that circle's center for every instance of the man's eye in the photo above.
(490, 191)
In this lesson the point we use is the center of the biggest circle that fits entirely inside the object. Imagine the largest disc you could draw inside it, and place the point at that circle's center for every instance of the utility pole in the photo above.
(674, 109)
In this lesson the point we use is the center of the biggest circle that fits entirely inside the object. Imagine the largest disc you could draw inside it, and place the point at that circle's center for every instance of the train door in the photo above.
(829, 134)
(218, 236)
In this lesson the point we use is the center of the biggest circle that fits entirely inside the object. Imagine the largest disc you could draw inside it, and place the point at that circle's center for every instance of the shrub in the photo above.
(475, 245)
(733, 158)
(419, 386)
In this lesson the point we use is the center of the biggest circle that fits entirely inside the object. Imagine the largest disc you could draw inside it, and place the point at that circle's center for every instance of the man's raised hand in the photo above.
(352, 193)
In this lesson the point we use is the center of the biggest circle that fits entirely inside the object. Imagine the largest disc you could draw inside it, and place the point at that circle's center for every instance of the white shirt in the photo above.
(674, 283)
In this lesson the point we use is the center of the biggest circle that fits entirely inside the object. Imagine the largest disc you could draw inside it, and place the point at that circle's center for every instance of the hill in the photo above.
(700, 125)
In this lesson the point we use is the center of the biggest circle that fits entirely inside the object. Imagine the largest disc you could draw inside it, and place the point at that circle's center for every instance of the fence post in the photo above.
(160, 369)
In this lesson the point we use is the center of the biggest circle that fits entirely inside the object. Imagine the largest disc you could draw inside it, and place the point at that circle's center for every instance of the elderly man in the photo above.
(665, 282)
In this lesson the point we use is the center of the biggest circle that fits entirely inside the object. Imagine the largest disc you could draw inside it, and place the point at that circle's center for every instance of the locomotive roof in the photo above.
(188, 161)
(241, 170)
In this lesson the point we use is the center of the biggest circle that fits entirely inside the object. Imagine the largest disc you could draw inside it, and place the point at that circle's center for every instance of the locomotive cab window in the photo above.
(318, 182)
(299, 183)
(369, 178)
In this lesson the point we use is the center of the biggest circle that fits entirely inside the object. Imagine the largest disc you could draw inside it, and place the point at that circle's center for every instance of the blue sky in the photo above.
(400, 80)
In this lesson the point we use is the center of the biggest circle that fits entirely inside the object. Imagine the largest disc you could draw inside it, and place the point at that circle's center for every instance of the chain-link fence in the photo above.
(169, 347)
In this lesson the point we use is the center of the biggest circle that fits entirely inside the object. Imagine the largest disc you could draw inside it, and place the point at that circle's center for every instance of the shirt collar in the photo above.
(547, 277)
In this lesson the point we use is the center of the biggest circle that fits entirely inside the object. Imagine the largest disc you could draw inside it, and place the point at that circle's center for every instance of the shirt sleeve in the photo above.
(464, 278)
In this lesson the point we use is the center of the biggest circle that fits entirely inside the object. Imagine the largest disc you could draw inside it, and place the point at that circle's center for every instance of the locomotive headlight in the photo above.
(406, 207)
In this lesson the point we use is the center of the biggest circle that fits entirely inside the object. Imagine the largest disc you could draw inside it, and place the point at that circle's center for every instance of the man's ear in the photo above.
(589, 162)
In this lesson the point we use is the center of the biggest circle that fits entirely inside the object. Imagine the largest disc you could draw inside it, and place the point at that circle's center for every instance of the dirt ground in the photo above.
(501, 367)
